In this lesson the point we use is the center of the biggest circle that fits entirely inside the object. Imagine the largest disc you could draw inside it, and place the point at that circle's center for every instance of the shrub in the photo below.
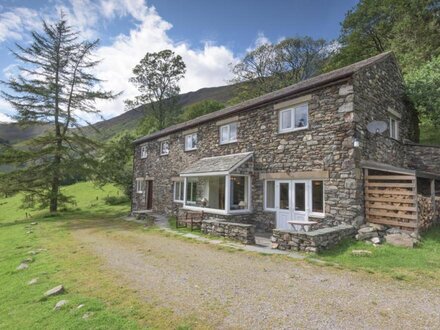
(116, 200)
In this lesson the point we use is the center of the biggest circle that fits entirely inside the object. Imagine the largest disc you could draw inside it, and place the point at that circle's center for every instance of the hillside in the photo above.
(14, 134)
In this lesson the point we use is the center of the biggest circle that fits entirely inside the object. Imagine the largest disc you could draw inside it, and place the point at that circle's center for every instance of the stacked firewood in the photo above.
(426, 212)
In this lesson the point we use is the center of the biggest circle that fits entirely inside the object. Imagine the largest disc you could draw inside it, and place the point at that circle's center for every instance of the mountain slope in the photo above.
(129, 120)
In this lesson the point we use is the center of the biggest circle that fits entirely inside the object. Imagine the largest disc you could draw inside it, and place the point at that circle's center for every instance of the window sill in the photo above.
(228, 142)
(294, 130)
(214, 211)
(164, 154)
(188, 150)
(317, 215)
(180, 202)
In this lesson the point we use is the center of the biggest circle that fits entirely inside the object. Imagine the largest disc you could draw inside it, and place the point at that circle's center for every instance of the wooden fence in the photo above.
(391, 200)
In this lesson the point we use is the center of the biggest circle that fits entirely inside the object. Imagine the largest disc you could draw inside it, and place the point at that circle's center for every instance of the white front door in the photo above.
(291, 199)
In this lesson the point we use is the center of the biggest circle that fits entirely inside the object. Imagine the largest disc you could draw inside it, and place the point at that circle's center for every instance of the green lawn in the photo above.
(64, 261)
(421, 264)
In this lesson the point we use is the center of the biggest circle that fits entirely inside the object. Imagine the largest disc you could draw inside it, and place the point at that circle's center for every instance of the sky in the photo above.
(210, 35)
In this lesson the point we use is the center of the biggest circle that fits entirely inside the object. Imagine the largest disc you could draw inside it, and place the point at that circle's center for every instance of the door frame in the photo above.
(292, 213)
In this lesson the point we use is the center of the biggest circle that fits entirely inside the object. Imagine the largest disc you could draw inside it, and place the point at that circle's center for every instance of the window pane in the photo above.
(206, 192)
(301, 114)
(317, 196)
(286, 119)
(164, 148)
(270, 194)
(193, 141)
(181, 191)
(300, 196)
(239, 198)
(284, 196)
(233, 132)
(224, 134)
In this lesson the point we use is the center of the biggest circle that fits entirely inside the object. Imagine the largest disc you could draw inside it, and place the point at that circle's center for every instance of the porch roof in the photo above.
(220, 165)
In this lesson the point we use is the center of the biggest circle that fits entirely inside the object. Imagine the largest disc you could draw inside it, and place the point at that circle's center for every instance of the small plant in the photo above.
(116, 200)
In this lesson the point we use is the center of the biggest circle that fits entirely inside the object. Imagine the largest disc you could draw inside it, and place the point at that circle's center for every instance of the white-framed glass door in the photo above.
(291, 201)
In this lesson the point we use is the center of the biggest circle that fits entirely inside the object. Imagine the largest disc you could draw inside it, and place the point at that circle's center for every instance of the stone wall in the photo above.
(423, 157)
(235, 231)
(313, 241)
(325, 146)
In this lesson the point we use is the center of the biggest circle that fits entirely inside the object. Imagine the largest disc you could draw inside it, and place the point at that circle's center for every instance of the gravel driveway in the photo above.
(238, 290)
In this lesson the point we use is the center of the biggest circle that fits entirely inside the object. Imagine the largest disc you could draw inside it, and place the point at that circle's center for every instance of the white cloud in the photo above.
(206, 67)
(5, 110)
(5, 119)
(15, 22)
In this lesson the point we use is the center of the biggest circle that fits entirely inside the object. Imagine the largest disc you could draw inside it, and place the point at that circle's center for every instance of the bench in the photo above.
(302, 224)
(193, 219)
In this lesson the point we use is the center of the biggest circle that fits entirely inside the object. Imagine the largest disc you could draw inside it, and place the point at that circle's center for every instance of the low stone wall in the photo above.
(237, 231)
(312, 241)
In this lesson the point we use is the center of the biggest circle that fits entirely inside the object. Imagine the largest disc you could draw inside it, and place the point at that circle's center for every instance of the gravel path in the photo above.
(237, 290)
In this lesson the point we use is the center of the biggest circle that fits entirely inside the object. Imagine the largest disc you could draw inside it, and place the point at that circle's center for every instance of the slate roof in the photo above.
(219, 164)
(291, 90)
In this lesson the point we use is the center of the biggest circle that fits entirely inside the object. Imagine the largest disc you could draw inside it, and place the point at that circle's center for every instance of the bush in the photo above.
(116, 200)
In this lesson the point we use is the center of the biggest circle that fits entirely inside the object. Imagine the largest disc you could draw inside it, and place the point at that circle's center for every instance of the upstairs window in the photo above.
(394, 128)
(191, 142)
(164, 148)
(228, 133)
(144, 152)
(293, 119)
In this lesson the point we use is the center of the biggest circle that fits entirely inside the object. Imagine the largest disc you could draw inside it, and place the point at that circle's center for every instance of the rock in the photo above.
(358, 221)
(29, 232)
(274, 245)
(361, 253)
(378, 227)
(33, 281)
(54, 291)
(22, 266)
(366, 229)
(400, 240)
(28, 260)
(34, 223)
(415, 235)
(60, 304)
(393, 231)
(80, 306)
(33, 253)
(376, 240)
(365, 236)
(87, 315)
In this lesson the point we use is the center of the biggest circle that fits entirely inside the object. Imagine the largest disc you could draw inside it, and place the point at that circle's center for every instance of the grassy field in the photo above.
(420, 264)
(62, 260)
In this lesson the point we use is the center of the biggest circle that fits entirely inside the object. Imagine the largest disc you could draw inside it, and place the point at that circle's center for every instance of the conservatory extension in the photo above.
(219, 185)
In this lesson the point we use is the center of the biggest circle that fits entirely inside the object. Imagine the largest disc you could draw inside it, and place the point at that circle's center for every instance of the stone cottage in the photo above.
(306, 152)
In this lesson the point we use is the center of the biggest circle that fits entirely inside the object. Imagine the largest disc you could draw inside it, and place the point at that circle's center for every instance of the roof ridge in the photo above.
(296, 88)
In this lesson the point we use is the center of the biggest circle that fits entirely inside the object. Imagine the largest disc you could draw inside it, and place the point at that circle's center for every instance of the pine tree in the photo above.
(55, 85)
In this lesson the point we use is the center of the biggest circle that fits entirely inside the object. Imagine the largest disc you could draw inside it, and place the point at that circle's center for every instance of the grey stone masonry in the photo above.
(235, 231)
(340, 106)
(313, 241)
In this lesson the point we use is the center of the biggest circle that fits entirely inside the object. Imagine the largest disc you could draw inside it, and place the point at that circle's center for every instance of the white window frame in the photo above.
(144, 152)
(394, 128)
(192, 147)
(265, 196)
(226, 211)
(292, 111)
(228, 128)
(178, 186)
(140, 185)
(161, 150)
(309, 197)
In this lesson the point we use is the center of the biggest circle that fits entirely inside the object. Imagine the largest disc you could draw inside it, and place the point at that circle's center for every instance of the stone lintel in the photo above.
(227, 121)
(295, 101)
(307, 175)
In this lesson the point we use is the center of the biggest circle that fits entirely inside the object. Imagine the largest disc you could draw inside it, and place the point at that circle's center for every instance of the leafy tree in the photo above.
(199, 109)
(55, 86)
(157, 77)
(115, 163)
(271, 67)
(423, 85)
(410, 28)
